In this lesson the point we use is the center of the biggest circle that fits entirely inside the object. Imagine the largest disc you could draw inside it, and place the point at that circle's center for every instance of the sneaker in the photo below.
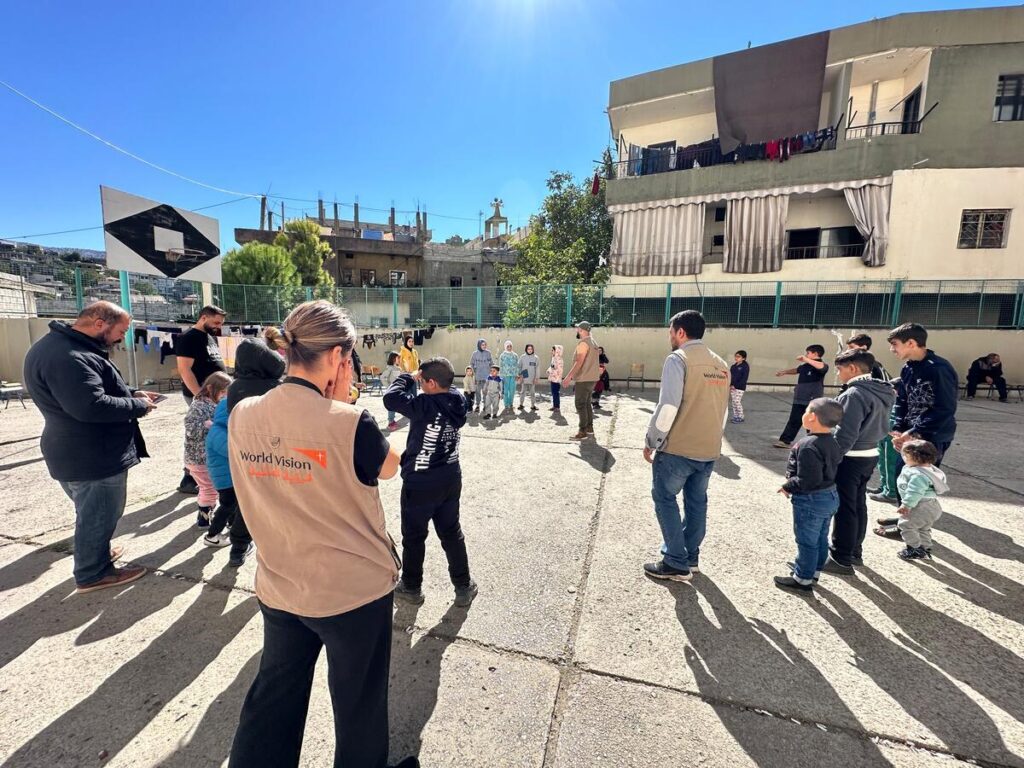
(874, 490)
(218, 540)
(913, 553)
(660, 570)
(581, 435)
(464, 595)
(735, 421)
(117, 578)
(189, 489)
(203, 517)
(780, 444)
(236, 561)
(487, 416)
(969, 397)
(790, 582)
(533, 407)
(858, 561)
(837, 568)
(414, 596)
(792, 569)
(884, 499)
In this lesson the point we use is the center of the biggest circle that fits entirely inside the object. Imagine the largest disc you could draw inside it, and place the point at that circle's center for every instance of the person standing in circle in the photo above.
(197, 357)
(408, 357)
(305, 465)
(586, 369)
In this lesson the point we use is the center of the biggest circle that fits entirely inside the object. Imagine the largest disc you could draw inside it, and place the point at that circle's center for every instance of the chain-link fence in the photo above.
(34, 286)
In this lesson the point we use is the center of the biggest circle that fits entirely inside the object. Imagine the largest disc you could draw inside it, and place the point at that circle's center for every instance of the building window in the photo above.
(368, 277)
(396, 278)
(455, 281)
(718, 241)
(1009, 99)
(350, 255)
(720, 213)
(347, 275)
(983, 229)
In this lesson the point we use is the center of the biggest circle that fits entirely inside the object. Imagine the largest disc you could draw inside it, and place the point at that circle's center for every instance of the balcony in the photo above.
(825, 251)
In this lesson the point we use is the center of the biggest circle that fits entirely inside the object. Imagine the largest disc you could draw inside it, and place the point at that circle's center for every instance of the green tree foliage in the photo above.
(144, 287)
(259, 264)
(301, 240)
(564, 246)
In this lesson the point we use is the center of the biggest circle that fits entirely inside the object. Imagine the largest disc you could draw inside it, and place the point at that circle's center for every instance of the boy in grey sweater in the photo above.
(920, 484)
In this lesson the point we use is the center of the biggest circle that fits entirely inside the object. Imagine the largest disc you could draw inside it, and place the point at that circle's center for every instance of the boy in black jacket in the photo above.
(739, 373)
(431, 476)
(811, 486)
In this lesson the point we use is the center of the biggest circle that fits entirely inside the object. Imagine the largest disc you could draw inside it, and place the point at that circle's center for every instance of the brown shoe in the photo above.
(579, 436)
(116, 553)
(119, 577)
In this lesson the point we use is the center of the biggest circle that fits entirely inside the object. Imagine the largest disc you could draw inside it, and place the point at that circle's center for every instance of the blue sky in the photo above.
(445, 104)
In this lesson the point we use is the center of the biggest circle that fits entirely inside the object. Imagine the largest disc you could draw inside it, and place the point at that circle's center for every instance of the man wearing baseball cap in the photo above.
(586, 370)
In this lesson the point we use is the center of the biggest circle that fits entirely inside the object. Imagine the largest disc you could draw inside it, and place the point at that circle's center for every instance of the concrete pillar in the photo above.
(840, 97)
(337, 221)
(424, 226)
(355, 216)
(391, 220)
(320, 208)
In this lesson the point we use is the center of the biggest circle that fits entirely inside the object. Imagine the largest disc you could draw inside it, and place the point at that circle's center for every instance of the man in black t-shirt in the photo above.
(198, 356)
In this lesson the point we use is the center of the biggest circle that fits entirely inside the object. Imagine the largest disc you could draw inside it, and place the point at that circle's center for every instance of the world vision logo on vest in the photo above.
(316, 454)
(716, 377)
(288, 468)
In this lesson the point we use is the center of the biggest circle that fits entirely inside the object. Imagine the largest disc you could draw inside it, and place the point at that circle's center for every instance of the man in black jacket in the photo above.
(91, 436)
(986, 370)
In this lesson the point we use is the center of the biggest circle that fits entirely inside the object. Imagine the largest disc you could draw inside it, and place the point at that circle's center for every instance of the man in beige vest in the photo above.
(586, 370)
(683, 441)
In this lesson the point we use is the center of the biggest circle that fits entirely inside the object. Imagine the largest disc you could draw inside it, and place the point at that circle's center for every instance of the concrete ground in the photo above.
(570, 657)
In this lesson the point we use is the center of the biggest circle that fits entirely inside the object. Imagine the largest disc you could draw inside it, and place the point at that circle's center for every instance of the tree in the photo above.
(145, 288)
(455, 240)
(301, 240)
(259, 264)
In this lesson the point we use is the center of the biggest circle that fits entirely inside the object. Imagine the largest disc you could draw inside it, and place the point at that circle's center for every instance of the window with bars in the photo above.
(397, 278)
(1009, 99)
(983, 229)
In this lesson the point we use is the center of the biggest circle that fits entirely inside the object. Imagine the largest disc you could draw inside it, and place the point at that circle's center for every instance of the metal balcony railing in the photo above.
(883, 129)
(824, 251)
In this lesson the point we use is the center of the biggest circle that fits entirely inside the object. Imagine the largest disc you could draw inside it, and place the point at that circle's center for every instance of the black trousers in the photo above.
(229, 513)
(793, 426)
(471, 400)
(273, 717)
(997, 381)
(850, 525)
(419, 507)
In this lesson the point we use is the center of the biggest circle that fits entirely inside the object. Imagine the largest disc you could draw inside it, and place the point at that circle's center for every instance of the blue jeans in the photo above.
(556, 395)
(682, 536)
(812, 514)
(99, 504)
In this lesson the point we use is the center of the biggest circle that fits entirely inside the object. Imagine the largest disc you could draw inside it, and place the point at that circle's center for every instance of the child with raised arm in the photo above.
(809, 386)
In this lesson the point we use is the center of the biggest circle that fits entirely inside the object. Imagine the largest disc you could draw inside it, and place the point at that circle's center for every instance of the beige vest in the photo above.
(696, 432)
(321, 544)
(591, 368)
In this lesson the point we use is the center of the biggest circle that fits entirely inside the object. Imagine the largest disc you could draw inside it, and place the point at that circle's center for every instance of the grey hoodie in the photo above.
(481, 361)
(866, 407)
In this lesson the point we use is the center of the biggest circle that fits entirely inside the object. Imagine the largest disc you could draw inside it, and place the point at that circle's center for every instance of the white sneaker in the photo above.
(220, 540)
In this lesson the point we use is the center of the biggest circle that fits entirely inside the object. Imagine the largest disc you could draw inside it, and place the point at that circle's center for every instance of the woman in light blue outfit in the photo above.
(508, 364)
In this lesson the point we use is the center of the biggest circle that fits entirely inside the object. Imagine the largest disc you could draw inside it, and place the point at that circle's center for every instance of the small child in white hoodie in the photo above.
(919, 485)
(387, 377)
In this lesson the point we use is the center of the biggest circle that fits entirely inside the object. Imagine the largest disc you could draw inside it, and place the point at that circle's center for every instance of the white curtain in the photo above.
(755, 234)
(870, 208)
(665, 240)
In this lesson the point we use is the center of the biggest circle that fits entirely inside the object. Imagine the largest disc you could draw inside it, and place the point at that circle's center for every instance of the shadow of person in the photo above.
(747, 662)
(962, 652)
(129, 698)
(976, 584)
(921, 690)
(597, 456)
(727, 468)
(416, 675)
(984, 541)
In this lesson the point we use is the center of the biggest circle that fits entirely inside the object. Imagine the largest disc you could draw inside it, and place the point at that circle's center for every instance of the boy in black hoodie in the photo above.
(431, 476)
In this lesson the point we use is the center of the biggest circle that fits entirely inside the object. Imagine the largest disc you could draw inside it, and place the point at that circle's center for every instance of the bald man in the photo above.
(91, 436)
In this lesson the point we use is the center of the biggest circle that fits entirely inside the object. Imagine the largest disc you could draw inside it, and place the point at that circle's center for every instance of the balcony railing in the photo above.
(824, 251)
(884, 129)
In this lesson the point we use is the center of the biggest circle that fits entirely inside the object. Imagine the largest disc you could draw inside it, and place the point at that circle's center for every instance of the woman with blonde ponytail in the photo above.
(305, 464)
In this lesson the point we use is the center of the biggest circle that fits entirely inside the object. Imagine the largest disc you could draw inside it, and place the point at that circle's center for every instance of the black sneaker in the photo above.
(858, 561)
(913, 553)
(792, 569)
(414, 596)
(840, 569)
(237, 561)
(464, 595)
(660, 570)
(875, 490)
(188, 488)
(789, 582)
(203, 517)
(884, 499)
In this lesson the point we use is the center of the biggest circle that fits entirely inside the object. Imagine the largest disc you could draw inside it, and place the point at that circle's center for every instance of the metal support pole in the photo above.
(479, 306)
(814, 313)
(897, 303)
(778, 304)
(938, 303)
(568, 305)
(632, 314)
(981, 302)
(739, 305)
(536, 319)
(394, 307)
(856, 300)
(668, 302)
(277, 302)
(600, 304)
(126, 304)
(309, 293)
(79, 294)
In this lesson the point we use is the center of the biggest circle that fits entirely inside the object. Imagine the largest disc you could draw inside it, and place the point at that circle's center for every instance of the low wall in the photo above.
(768, 349)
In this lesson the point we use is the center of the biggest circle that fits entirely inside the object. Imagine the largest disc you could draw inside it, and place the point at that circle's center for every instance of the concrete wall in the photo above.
(768, 349)
(684, 131)
(924, 222)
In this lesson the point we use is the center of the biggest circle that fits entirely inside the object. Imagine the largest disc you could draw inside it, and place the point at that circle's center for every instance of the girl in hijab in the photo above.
(508, 364)
(555, 377)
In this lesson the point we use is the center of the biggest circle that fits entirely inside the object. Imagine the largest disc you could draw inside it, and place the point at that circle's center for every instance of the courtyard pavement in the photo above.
(569, 657)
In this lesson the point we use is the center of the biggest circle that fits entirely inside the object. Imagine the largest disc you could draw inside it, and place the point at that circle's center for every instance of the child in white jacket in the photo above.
(388, 375)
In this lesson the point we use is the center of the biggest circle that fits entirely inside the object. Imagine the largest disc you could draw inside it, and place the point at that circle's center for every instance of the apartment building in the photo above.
(892, 149)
